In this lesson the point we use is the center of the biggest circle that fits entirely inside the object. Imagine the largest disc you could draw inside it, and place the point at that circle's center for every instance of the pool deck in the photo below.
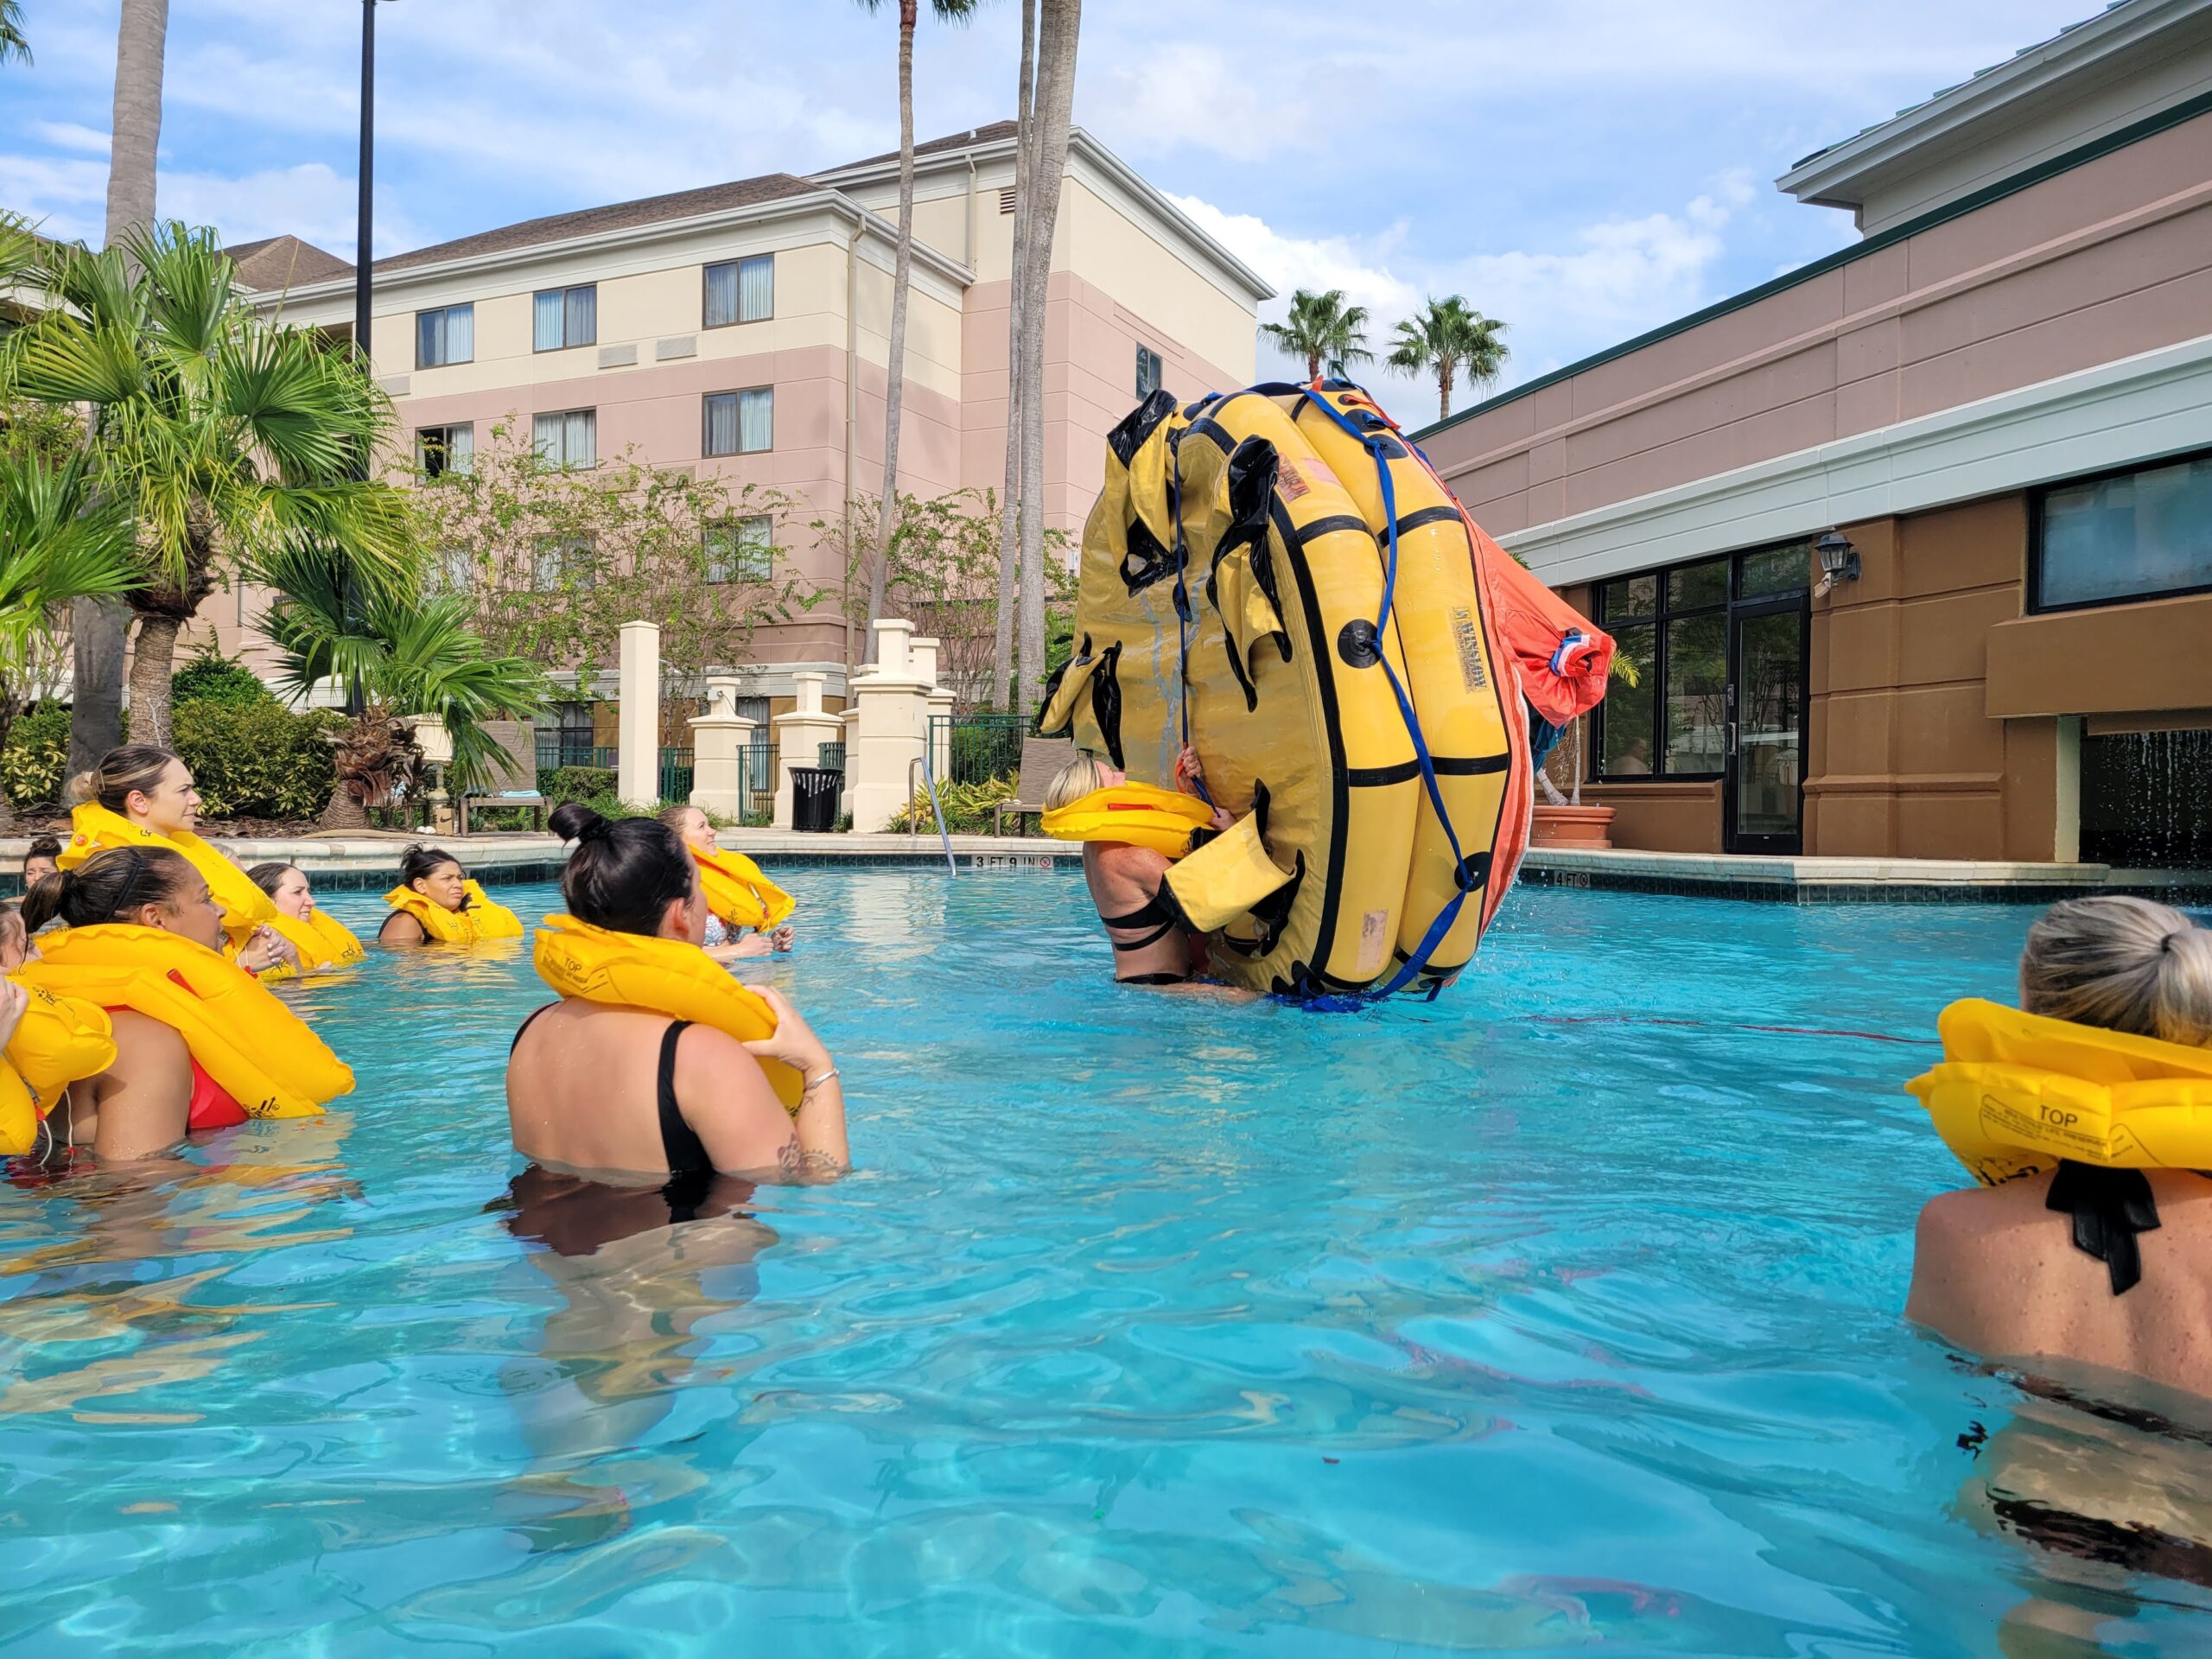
(372, 861)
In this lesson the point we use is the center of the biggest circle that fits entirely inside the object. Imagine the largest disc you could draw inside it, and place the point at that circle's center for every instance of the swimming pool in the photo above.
(1561, 1312)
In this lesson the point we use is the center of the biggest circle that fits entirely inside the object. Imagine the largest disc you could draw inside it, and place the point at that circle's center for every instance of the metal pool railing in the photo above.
(976, 747)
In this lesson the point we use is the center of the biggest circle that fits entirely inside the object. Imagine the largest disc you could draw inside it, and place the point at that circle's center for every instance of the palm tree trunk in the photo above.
(1443, 388)
(1059, 27)
(99, 627)
(901, 282)
(1312, 366)
(1010, 503)
(151, 664)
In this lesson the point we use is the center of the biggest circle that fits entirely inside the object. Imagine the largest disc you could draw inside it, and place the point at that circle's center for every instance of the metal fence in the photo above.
(975, 748)
(831, 757)
(571, 749)
(678, 770)
(675, 776)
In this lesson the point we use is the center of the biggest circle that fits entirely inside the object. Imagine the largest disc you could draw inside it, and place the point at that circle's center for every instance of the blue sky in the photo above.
(1583, 169)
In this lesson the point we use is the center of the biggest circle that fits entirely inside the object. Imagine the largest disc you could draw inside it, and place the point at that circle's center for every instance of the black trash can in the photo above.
(814, 798)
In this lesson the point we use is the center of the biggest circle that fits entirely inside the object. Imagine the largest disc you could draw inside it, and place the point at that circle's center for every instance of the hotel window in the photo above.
(1149, 369)
(570, 438)
(741, 550)
(560, 561)
(453, 571)
(562, 317)
(445, 335)
(442, 449)
(2132, 535)
(739, 422)
(741, 290)
(1672, 627)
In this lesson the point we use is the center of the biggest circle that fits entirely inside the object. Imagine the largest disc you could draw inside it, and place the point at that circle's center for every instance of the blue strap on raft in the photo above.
(1378, 448)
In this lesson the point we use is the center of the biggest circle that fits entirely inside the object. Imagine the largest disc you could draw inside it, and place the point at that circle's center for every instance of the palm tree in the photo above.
(901, 285)
(1322, 328)
(1010, 497)
(12, 44)
(58, 543)
(1052, 113)
(227, 439)
(1444, 336)
(412, 654)
(100, 628)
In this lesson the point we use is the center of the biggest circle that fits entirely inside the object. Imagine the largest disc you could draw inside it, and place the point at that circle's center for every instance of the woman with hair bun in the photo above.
(197, 1043)
(435, 902)
(656, 1065)
(140, 796)
(2087, 1115)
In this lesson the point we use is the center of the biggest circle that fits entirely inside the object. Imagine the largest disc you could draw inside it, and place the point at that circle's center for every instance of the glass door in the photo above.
(1764, 764)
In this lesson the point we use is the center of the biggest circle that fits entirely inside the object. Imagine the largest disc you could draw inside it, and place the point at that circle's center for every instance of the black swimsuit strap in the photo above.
(679, 1142)
(1152, 913)
(526, 1024)
(2109, 1207)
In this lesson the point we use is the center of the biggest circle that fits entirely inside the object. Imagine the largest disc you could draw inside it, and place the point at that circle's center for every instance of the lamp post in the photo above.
(363, 257)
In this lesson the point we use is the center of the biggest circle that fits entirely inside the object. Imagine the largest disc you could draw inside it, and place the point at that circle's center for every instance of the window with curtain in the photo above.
(560, 561)
(719, 435)
(1150, 371)
(741, 290)
(2132, 536)
(741, 550)
(442, 449)
(453, 571)
(445, 334)
(568, 438)
(756, 421)
(562, 317)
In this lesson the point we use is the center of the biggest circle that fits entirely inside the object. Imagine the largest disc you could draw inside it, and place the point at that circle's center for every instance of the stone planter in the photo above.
(1588, 827)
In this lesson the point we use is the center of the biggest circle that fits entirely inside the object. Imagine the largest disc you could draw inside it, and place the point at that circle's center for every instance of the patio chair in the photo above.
(514, 767)
(1041, 757)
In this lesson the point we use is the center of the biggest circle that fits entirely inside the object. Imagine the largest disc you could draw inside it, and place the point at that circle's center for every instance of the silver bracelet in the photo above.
(813, 1083)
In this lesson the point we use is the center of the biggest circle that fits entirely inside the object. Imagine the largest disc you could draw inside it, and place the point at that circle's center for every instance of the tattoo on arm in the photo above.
(789, 1159)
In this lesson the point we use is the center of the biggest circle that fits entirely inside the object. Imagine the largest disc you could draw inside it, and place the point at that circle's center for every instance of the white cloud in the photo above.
(311, 201)
(1187, 96)
(68, 135)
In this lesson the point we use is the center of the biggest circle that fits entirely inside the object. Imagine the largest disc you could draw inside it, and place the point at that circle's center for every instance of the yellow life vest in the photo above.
(2016, 1092)
(1137, 814)
(58, 1040)
(737, 892)
(480, 920)
(669, 976)
(336, 939)
(245, 906)
(257, 1049)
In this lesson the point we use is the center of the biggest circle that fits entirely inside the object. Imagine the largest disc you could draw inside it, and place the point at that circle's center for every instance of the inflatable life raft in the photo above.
(2017, 1093)
(1278, 578)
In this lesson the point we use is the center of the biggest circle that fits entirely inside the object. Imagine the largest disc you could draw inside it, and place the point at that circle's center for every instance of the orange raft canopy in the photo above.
(1279, 578)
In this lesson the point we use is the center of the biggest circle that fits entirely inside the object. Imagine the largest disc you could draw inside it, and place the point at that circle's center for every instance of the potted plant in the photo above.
(1563, 820)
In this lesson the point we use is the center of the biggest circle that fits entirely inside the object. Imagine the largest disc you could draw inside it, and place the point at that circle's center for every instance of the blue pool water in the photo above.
(1562, 1313)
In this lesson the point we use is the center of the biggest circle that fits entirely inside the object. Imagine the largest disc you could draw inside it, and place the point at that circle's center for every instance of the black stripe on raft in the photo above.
(1324, 679)
(1446, 766)
(1304, 533)
(1426, 517)
(1213, 432)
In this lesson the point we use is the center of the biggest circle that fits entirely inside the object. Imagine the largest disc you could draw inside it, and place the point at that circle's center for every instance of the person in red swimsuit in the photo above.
(154, 1093)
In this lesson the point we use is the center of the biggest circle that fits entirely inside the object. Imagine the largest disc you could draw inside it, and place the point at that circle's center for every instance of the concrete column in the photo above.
(719, 739)
(2066, 839)
(637, 777)
(799, 737)
(937, 711)
(849, 728)
(892, 706)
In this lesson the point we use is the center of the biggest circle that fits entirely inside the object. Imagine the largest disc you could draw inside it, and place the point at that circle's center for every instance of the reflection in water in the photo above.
(629, 1264)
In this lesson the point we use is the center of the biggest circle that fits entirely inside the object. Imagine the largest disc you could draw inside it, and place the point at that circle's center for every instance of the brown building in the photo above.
(2001, 398)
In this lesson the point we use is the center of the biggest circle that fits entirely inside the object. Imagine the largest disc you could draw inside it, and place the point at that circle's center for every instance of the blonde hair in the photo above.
(2125, 965)
(134, 767)
(1073, 782)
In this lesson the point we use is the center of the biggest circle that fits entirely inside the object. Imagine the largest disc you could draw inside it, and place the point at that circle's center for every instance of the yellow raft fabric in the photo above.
(1138, 814)
(262, 1054)
(481, 919)
(738, 893)
(2016, 1092)
(1229, 876)
(245, 906)
(669, 976)
(1278, 515)
(58, 1040)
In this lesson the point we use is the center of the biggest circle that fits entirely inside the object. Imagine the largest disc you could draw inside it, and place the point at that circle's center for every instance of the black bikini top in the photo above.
(2109, 1207)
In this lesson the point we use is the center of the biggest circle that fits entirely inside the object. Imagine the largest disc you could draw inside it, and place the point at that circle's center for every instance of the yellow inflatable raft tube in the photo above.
(261, 1053)
(58, 1040)
(1233, 594)
(669, 976)
(739, 893)
(2017, 1093)
(479, 918)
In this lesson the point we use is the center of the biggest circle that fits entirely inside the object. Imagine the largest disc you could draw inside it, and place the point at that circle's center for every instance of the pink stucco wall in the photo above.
(2110, 258)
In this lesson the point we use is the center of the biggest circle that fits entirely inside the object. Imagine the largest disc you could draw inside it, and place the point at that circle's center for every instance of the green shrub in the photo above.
(967, 806)
(585, 784)
(210, 677)
(258, 760)
(37, 756)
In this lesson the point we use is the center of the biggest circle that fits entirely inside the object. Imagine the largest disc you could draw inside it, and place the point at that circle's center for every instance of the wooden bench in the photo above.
(1041, 761)
(515, 769)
